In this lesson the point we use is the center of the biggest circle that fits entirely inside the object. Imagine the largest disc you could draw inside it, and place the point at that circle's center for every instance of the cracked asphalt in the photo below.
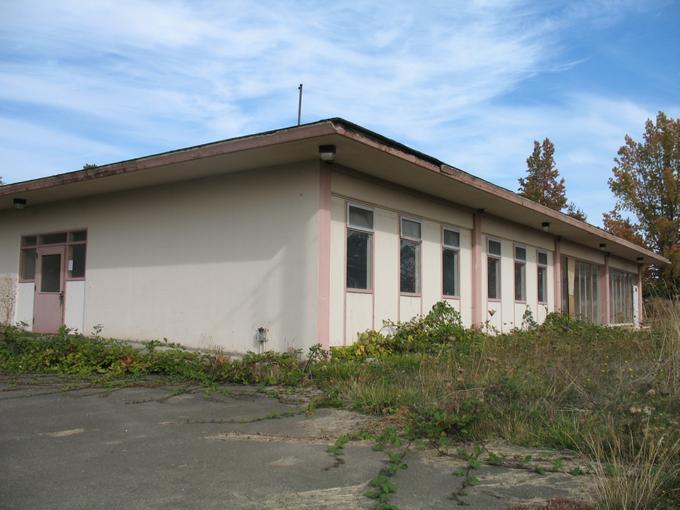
(72, 446)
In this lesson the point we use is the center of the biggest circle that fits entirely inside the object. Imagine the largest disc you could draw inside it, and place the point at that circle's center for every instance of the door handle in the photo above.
(61, 297)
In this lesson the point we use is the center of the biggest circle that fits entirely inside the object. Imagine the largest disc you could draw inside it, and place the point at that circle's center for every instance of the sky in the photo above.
(471, 83)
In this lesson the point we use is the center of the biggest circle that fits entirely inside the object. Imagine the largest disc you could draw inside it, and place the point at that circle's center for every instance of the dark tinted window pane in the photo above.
(81, 235)
(494, 247)
(450, 269)
(409, 266)
(360, 218)
(53, 238)
(410, 229)
(541, 284)
(28, 264)
(50, 273)
(358, 259)
(520, 253)
(29, 240)
(543, 258)
(451, 238)
(76, 261)
(493, 278)
(520, 281)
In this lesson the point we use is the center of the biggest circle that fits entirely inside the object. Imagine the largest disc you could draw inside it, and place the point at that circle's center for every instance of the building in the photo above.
(296, 236)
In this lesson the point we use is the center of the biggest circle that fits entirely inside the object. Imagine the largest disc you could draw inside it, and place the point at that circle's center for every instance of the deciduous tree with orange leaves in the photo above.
(646, 184)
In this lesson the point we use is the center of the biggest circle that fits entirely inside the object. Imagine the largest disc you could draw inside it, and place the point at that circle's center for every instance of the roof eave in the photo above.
(333, 126)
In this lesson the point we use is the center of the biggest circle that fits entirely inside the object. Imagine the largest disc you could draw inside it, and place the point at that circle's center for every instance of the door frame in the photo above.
(57, 249)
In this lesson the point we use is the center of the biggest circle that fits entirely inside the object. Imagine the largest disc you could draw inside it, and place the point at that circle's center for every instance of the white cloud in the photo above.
(145, 76)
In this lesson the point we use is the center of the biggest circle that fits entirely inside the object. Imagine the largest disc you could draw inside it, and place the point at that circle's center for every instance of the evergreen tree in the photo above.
(542, 183)
(576, 212)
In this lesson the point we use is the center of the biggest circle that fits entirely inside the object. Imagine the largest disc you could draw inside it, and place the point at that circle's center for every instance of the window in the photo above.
(50, 271)
(621, 296)
(76, 237)
(450, 264)
(520, 273)
(564, 264)
(27, 264)
(493, 269)
(410, 256)
(542, 281)
(29, 241)
(76, 243)
(587, 292)
(359, 247)
(76, 261)
(59, 238)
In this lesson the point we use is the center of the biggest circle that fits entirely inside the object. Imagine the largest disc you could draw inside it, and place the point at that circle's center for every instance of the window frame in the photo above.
(363, 207)
(499, 279)
(539, 264)
(67, 244)
(371, 258)
(23, 249)
(419, 255)
(455, 249)
(617, 278)
(589, 284)
(522, 262)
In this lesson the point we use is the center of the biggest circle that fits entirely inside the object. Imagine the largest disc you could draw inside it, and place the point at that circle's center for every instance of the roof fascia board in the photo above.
(361, 135)
(260, 140)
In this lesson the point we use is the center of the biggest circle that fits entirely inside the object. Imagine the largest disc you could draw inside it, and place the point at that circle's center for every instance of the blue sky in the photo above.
(472, 83)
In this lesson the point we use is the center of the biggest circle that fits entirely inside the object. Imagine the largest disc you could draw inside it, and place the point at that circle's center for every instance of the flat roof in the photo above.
(358, 148)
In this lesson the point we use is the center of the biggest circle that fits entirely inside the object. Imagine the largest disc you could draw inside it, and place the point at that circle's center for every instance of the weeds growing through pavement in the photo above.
(382, 486)
(611, 393)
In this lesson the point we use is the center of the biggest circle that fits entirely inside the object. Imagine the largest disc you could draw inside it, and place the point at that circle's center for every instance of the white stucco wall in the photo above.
(201, 262)
(505, 314)
(353, 312)
(623, 265)
(23, 311)
(581, 252)
(74, 305)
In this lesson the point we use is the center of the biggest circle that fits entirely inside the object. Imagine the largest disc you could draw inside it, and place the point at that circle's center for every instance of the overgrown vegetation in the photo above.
(94, 356)
(611, 393)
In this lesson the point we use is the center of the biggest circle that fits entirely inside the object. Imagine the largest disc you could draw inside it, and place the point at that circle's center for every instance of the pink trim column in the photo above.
(606, 298)
(641, 302)
(557, 276)
(323, 301)
(477, 269)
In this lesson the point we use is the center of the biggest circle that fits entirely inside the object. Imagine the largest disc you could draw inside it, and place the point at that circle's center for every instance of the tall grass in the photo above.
(633, 473)
(663, 316)
(612, 393)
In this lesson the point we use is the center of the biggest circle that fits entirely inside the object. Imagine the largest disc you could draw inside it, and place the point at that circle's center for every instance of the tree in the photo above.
(542, 183)
(622, 227)
(646, 184)
(576, 212)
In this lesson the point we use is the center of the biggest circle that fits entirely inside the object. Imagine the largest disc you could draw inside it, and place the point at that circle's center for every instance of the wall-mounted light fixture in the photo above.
(327, 153)
(545, 226)
(640, 259)
(19, 203)
(261, 334)
(603, 246)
